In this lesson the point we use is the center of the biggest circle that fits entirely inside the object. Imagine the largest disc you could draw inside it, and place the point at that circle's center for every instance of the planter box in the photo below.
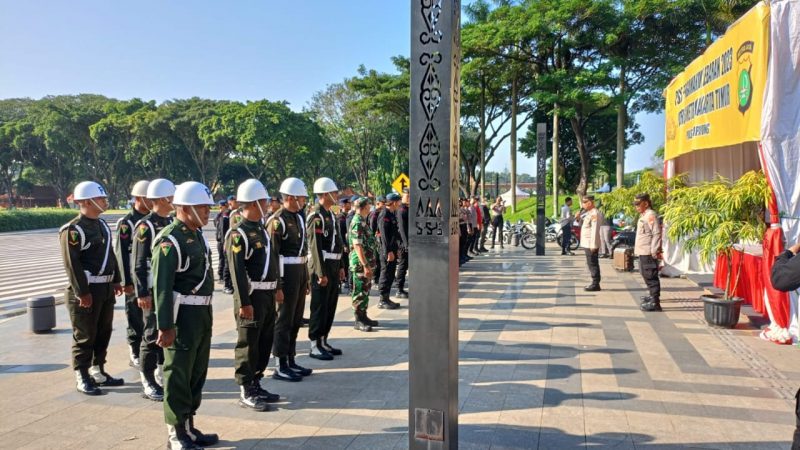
(721, 313)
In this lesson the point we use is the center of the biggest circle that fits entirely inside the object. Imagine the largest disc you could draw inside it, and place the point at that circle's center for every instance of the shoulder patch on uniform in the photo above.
(142, 229)
(73, 237)
(166, 246)
(236, 248)
(276, 225)
(236, 237)
(123, 228)
(189, 240)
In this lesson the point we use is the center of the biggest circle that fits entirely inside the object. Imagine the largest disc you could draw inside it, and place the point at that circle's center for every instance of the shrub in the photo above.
(34, 218)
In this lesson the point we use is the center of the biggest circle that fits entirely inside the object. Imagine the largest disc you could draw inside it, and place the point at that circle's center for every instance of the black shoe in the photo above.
(179, 439)
(645, 299)
(300, 370)
(198, 437)
(361, 326)
(332, 350)
(102, 378)
(150, 389)
(592, 288)
(284, 373)
(563, 253)
(227, 290)
(304, 322)
(387, 304)
(318, 351)
(85, 384)
(265, 395)
(249, 398)
(401, 294)
(651, 306)
(365, 318)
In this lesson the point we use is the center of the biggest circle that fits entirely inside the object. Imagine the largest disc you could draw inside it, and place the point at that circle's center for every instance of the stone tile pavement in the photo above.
(543, 365)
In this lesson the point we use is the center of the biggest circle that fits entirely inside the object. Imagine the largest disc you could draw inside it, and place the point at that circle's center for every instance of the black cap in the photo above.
(344, 200)
(642, 198)
(392, 197)
(380, 198)
(222, 202)
(231, 197)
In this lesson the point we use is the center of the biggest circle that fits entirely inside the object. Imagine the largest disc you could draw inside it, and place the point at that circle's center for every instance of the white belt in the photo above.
(201, 300)
(293, 259)
(263, 285)
(334, 256)
(98, 279)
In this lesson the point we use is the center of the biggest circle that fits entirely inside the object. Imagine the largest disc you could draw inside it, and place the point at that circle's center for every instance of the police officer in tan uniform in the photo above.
(648, 249)
(590, 240)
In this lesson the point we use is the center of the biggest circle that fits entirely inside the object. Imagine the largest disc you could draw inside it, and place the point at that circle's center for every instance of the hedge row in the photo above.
(34, 218)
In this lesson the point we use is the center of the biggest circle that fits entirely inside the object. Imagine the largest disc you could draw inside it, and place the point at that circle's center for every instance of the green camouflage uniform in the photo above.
(360, 233)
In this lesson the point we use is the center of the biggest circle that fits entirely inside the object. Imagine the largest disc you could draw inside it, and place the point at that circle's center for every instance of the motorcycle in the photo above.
(520, 233)
(624, 238)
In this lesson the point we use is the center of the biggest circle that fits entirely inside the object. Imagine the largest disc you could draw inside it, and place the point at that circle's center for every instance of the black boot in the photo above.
(402, 294)
(197, 436)
(265, 395)
(645, 299)
(102, 378)
(284, 372)
(360, 324)
(368, 321)
(654, 305)
(249, 398)
(179, 439)
(85, 383)
(387, 303)
(332, 350)
(150, 389)
(594, 287)
(300, 370)
(318, 351)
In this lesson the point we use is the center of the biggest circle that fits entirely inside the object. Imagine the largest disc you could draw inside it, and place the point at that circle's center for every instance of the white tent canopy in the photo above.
(520, 194)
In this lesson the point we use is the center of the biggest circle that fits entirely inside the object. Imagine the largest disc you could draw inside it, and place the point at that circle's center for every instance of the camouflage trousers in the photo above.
(360, 291)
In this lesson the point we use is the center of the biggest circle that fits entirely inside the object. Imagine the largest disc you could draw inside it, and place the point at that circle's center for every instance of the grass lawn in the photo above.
(526, 209)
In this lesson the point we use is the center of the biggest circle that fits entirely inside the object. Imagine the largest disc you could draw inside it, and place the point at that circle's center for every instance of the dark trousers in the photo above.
(462, 242)
(186, 363)
(402, 268)
(484, 230)
(290, 312)
(324, 300)
(474, 240)
(566, 238)
(388, 270)
(593, 262)
(224, 270)
(497, 228)
(796, 440)
(151, 354)
(91, 327)
(346, 259)
(254, 341)
(135, 322)
(648, 267)
(376, 274)
(223, 261)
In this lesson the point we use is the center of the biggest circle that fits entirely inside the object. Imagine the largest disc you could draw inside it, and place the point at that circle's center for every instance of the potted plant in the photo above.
(712, 218)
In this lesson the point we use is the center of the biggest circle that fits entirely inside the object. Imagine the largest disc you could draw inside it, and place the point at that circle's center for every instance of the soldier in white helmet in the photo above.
(123, 248)
(160, 193)
(254, 266)
(289, 241)
(94, 281)
(183, 282)
(325, 264)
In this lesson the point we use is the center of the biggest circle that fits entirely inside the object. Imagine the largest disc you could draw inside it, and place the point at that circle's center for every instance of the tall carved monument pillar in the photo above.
(433, 227)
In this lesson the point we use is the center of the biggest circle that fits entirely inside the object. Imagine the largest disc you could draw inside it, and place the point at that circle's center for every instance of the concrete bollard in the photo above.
(42, 314)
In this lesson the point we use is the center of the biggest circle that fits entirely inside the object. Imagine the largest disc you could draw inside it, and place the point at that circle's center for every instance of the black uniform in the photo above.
(485, 216)
(324, 259)
(389, 242)
(254, 266)
(91, 267)
(146, 231)
(221, 224)
(402, 251)
(786, 277)
(123, 248)
(343, 219)
(372, 220)
(289, 242)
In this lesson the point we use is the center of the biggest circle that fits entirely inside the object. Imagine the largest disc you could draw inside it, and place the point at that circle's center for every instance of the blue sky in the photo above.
(243, 50)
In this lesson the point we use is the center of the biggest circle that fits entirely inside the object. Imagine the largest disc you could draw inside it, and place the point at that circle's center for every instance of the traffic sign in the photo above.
(401, 183)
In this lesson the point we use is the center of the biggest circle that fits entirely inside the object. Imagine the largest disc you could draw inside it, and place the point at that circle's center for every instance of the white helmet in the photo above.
(86, 190)
(293, 186)
(324, 185)
(140, 188)
(251, 190)
(160, 188)
(192, 193)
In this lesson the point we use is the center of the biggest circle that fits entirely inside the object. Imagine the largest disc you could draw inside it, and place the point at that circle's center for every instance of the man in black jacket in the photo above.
(388, 243)
(786, 277)
(402, 251)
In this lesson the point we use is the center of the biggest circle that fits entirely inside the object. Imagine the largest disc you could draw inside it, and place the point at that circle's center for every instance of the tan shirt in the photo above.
(590, 229)
(648, 235)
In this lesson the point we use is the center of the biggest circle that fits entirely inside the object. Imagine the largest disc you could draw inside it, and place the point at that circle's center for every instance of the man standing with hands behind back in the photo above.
(648, 249)
(590, 241)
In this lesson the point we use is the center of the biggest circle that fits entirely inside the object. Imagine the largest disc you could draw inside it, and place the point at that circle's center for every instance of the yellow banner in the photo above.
(716, 100)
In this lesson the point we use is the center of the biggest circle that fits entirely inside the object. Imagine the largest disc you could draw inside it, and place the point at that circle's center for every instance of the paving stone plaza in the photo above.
(543, 365)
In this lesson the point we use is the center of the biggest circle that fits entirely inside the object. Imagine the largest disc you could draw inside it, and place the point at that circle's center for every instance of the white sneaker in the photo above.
(134, 360)
(97, 375)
